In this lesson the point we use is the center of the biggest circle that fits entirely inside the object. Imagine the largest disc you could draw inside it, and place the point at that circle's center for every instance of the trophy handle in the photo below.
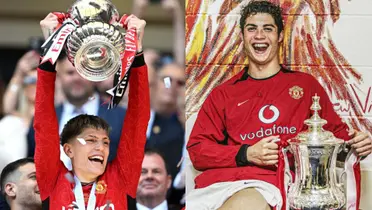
(286, 163)
(122, 20)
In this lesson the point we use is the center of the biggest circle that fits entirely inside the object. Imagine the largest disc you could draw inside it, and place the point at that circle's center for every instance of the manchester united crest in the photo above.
(296, 92)
(101, 187)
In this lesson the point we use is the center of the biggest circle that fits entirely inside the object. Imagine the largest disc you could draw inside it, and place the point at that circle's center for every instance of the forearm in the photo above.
(11, 95)
(132, 142)
(206, 154)
(47, 150)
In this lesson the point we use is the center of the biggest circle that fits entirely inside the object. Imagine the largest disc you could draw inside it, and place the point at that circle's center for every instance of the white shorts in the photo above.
(213, 196)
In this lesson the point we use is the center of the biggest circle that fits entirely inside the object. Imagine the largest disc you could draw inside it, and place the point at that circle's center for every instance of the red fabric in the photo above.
(121, 176)
(86, 192)
(230, 117)
(358, 180)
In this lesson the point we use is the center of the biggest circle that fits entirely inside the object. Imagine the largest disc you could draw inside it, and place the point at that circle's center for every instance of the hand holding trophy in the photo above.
(97, 42)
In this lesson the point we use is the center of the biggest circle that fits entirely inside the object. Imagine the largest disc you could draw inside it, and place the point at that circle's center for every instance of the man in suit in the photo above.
(165, 132)
(154, 183)
(81, 98)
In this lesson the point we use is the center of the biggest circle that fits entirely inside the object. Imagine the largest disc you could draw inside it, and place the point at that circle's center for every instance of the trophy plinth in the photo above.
(315, 152)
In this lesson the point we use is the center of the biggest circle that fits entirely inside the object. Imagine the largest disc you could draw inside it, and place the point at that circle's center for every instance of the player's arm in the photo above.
(207, 145)
(47, 150)
(133, 135)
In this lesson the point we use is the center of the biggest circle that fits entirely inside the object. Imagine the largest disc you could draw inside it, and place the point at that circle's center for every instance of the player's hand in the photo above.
(134, 22)
(360, 142)
(48, 25)
(265, 152)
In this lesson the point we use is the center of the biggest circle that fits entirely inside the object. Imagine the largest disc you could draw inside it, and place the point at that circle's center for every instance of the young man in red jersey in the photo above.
(92, 184)
(244, 123)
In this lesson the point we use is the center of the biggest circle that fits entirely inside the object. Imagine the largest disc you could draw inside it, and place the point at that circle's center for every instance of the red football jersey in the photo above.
(243, 111)
(122, 174)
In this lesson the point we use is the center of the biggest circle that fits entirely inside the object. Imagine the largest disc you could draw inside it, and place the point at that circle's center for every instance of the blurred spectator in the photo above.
(154, 183)
(177, 12)
(179, 181)
(81, 98)
(18, 103)
(165, 99)
(165, 132)
(19, 186)
(23, 80)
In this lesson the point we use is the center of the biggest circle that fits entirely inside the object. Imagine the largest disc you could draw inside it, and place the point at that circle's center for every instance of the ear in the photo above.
(68, 150)
(10, 189)
(281, 35)
(169, 180)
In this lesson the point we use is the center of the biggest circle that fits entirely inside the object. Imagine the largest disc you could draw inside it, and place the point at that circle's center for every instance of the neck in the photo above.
(165, 110)
(259, 71)
(85, 178)
(150, 202)
(17, 206)
(78, 102)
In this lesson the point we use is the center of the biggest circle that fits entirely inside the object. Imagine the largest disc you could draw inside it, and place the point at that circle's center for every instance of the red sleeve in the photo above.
(47, 150)
(204, 145)
(133, 135)
(334, 122)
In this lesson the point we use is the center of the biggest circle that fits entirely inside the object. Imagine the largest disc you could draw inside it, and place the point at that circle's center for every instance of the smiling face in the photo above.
(261, 39)
(89, 153)
(154, 181)
(22, 189)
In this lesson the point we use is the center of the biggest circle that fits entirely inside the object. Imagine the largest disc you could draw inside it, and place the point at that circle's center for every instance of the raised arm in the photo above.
(47, 150)
(207, 145)
(133, 135)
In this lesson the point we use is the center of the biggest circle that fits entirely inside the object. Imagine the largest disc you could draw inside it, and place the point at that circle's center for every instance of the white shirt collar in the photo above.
(162, 206)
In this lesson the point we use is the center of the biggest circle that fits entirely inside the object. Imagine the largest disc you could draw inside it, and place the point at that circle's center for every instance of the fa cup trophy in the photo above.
(315, 153)
(96, 42)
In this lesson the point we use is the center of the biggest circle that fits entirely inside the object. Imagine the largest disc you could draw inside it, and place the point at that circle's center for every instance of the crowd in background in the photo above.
(75, 95)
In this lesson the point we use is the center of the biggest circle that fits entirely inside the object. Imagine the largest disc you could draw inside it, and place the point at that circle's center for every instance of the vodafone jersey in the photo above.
(245, 110)
(121, 175)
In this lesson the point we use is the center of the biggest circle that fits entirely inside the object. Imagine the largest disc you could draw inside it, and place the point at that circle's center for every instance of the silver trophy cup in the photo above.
(315, 153)
(96, 45)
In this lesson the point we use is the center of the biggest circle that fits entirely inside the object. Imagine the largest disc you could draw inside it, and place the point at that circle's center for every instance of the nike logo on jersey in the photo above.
(241, 103)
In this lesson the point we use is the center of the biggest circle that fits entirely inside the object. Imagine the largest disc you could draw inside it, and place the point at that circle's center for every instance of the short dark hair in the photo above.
(76, 125)
(10, 169)
(260, 6)
(153, 151)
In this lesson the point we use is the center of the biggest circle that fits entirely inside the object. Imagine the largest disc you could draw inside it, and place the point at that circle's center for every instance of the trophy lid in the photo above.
(315, 135)
(84, 11)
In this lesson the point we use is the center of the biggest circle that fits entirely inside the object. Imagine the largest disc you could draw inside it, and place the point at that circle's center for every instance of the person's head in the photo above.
(76, 89)
(18, 184)
(86, 142)
(155, 179)
(261, 25)
(165, 99)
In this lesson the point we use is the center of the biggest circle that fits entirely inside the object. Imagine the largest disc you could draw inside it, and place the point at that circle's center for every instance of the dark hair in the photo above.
(10, 168)
(62, 55)
(76, 125)
(153, 151)
(254, 7)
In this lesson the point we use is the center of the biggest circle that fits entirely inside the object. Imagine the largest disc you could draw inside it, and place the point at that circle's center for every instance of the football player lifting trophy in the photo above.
(97, 43)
